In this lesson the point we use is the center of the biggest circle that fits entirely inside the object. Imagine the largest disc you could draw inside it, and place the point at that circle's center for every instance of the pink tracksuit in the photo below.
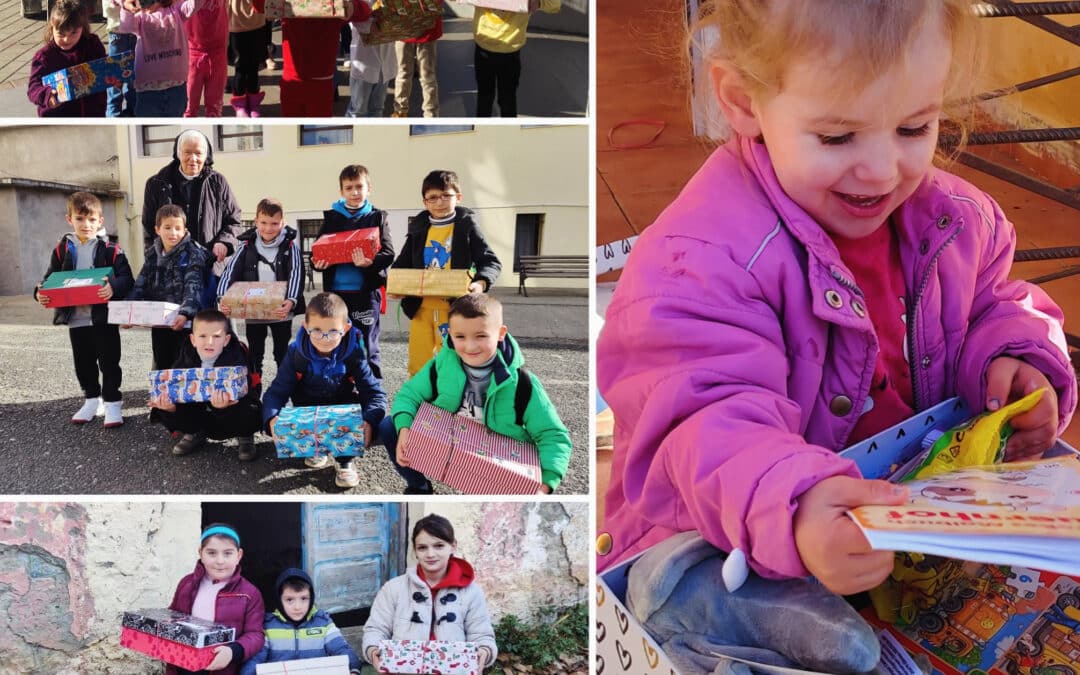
(208, 45)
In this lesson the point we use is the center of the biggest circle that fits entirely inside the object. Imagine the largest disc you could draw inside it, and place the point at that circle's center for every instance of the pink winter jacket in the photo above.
(208, 29)
(734, 381)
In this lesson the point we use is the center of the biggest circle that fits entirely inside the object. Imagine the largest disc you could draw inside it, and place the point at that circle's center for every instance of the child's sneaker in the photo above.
(318, 462)
(89, 410)
(188, 443)
(347, 476)
(113, 416)
(246, 447)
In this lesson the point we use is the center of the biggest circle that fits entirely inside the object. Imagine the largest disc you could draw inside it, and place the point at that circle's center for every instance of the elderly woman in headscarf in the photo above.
(189, 181)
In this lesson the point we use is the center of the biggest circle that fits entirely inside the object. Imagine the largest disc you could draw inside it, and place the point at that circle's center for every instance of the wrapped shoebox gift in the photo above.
(75, 287)
(187, 657)
(309, 431)
(142, 312)
(305, 9)
(178, 627)
(467, 456)
(393, 20)
(195, 385)
(91, 77)
(256, 300)
(431, 283)
(324, 665)
(429, 656)
(507, 5)
(338, 247)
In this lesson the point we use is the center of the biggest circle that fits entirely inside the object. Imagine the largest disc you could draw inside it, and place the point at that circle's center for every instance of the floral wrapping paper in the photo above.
(178, 627)
(308, 431)
(429, 656)
(195, 385)
(91, 77)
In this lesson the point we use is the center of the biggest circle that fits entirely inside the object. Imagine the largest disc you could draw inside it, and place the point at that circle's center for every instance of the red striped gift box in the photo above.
(484, 462)
(430, 441)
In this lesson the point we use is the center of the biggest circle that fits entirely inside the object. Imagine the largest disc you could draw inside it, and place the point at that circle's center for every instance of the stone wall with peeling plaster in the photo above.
(68, 570)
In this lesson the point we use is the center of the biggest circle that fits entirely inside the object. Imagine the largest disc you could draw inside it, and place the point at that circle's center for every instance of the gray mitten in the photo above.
(677, 589)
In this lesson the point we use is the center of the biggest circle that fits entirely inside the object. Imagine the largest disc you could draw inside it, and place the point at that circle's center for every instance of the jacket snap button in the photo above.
(926, 362)
(924, 246)
(858, 307)
(834, 299)
(603, 544)
(943, 222)
(840, 405)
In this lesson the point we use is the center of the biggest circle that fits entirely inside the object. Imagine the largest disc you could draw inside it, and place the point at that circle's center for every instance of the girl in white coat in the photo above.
(436, 601)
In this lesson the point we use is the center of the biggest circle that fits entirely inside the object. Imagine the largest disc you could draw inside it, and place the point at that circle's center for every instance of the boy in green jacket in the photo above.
(478, 378)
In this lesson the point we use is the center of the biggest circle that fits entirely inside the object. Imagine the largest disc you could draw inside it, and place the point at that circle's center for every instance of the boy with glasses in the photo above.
(327, 365)
(445, 236)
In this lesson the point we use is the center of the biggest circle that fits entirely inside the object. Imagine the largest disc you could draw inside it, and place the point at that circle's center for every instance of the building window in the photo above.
(527, 236)
(431, 129)
(314, 134)
(309, 229)
(157, 140)
(238, 137)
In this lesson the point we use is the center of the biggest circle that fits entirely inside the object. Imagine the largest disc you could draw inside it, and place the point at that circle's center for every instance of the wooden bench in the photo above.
(560, 266)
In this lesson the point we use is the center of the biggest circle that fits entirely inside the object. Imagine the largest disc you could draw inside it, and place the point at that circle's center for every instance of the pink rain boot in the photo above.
(240, 105)
(253, 101)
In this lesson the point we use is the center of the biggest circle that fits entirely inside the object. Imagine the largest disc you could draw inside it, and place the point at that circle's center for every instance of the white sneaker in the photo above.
(347, 476)
(318, 462)
(89, 410)
(113, 418)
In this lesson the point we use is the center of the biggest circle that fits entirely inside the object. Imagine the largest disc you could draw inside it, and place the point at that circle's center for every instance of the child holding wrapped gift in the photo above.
(173, 271)
(268, 252)
(297, 629)
(161, 54)
(359, 283)
(500, 35)
(816, 281)
(478, 377)
(212, 344)
(68, 42)
(95, 343)
(217, 592)
(326, 365)
(439, 600)
(445, 236)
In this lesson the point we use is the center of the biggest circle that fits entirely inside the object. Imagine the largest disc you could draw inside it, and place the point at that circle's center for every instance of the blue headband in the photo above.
(222, 530)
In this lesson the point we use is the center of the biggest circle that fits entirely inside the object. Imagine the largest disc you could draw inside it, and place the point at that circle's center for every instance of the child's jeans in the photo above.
(114, 104)
(161, 102)
(366, 99)
(364, 309)
(96, 348)
(256, 338)
(496, 73)
(410, 56)
(207, 72)
(388, 436)
(250, 47)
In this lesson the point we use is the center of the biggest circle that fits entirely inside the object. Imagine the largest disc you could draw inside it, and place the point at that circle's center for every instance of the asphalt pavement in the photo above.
(42, 453)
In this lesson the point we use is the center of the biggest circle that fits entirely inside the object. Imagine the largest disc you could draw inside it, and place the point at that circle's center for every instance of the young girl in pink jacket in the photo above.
(208, 61)
(817, 281)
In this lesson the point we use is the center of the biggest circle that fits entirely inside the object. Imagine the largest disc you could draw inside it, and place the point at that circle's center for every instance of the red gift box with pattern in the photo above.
(337, 248)
(468, 456)
(184, 656)
(438, 657)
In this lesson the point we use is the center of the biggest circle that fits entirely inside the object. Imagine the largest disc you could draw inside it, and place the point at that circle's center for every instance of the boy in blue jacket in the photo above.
(297, 629)
(327, 365)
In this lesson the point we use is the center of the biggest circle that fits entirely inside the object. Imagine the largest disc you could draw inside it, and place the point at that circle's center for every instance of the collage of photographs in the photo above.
(747, 348)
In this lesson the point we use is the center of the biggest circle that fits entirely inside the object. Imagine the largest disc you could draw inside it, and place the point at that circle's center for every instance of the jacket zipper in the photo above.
(913, 317)
(847, 283)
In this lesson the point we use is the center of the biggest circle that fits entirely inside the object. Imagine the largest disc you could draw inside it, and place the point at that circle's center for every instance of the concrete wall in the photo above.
(504, 171)
(82, 155)
(526, 556)
(68, 570)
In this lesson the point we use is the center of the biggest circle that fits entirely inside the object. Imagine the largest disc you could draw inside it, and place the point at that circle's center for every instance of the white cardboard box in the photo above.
(326, 665)
(142, 312)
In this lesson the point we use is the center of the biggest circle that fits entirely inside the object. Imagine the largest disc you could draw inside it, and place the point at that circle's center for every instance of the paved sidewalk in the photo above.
(554, 78)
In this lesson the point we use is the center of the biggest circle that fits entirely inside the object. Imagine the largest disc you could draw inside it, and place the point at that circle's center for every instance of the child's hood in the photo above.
(459, 574)
(340, 207)
(180, 247)
(101, 237)
(332, 365)
(279, 585)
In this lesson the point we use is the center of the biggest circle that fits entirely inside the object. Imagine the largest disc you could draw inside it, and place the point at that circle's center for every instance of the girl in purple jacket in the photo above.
(68, 42)
(215, 591)
(817, 281)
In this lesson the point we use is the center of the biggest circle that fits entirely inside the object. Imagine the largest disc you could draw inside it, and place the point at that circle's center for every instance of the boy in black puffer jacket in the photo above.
(268, 252)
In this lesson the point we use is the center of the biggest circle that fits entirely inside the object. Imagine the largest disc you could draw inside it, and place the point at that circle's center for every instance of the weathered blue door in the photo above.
(351, 550)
